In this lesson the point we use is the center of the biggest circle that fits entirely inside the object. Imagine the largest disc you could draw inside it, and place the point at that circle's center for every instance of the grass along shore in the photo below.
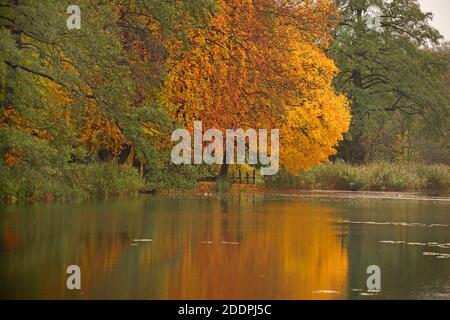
(381, 176)
(90, 181)
(71, 182)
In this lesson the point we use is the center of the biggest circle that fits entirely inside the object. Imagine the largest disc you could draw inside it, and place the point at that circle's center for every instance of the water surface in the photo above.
(240, 247)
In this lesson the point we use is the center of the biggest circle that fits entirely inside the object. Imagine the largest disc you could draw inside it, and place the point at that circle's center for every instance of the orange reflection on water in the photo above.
(241, 248)
(278, 251)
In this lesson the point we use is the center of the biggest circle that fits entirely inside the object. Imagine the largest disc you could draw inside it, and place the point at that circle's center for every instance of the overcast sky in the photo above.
(441, 12)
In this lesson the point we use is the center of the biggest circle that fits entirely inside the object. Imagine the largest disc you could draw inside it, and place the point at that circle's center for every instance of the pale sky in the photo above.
(441, 12)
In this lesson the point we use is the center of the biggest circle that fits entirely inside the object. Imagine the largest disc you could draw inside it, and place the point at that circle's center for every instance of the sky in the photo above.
(441, 11)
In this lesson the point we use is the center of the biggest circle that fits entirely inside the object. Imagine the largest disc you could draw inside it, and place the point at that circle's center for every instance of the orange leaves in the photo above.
(12, 117)
(212, 80)
(100, 131)
(261, 64)
(10, 159)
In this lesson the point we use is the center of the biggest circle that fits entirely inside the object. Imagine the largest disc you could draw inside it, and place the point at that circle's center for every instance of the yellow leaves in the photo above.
(99, 130)
(261, 64)
(312, 130)
(90, 125)
(56, 94)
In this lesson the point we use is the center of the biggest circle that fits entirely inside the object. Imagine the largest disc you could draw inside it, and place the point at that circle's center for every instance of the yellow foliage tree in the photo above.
(261, 64)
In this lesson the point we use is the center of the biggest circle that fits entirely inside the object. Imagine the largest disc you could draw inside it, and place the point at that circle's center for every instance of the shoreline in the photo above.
(377, 195)
(207, 190)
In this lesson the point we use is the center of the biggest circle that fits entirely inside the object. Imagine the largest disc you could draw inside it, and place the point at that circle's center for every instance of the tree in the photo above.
(260, 64)
(390, 75)
(85, 93)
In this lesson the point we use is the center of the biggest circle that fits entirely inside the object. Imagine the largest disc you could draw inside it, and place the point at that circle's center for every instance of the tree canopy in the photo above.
(392, 73)
(115, 89)
(261, 64)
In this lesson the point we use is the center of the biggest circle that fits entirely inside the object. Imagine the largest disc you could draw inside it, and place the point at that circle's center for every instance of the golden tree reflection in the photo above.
(238, 248)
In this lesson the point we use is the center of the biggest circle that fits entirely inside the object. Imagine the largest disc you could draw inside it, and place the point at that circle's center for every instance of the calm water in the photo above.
(244, 247)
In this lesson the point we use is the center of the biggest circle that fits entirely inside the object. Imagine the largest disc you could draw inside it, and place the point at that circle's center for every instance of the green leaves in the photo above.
(388, 72)
(71, 95)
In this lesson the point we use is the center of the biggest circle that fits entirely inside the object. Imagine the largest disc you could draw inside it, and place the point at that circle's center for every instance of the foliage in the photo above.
(436, 178)
(86, 95)
(379, 176)
(395, 81)
(260, 64)
(169, 176)
(91, 111)
(71, 181)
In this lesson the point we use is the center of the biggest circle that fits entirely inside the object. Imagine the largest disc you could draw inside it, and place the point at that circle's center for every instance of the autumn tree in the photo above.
(261, 64)
(84, 95)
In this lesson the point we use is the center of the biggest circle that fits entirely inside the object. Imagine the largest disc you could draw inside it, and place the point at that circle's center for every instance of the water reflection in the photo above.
(232, 248)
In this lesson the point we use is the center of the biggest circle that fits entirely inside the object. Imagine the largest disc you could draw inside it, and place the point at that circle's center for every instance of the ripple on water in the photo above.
(326, 292)
(437, 255)
(142, 240)
(223, 242)
(401, 224)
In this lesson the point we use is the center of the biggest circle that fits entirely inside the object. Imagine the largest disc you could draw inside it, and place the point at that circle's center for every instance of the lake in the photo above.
(229, 247)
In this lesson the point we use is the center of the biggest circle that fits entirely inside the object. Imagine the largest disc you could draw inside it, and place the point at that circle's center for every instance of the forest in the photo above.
(90, 111)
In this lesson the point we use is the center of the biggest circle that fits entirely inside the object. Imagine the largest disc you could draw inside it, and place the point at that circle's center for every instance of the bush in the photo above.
(390, 177)
(339, 176)
(72, 181)
(436, 178)
(103, 178)
(374, 177)
(169, 176)
(284, 180)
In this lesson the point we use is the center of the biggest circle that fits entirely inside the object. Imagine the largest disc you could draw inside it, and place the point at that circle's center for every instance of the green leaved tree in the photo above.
(84, 95)
(393, 76)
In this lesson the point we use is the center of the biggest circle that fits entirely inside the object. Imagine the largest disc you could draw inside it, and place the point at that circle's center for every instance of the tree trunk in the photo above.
(127, 154)
(224, 168)
(357, 79)
(224, 171)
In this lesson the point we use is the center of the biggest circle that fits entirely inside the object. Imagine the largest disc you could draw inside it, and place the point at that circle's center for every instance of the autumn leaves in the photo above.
(115, 89)
(260, 64)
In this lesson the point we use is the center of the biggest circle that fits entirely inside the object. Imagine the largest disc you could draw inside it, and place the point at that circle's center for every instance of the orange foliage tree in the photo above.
(261, 64)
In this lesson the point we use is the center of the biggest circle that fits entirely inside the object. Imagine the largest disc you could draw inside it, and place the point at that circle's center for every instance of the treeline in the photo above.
(397, 79)
(91, 111)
